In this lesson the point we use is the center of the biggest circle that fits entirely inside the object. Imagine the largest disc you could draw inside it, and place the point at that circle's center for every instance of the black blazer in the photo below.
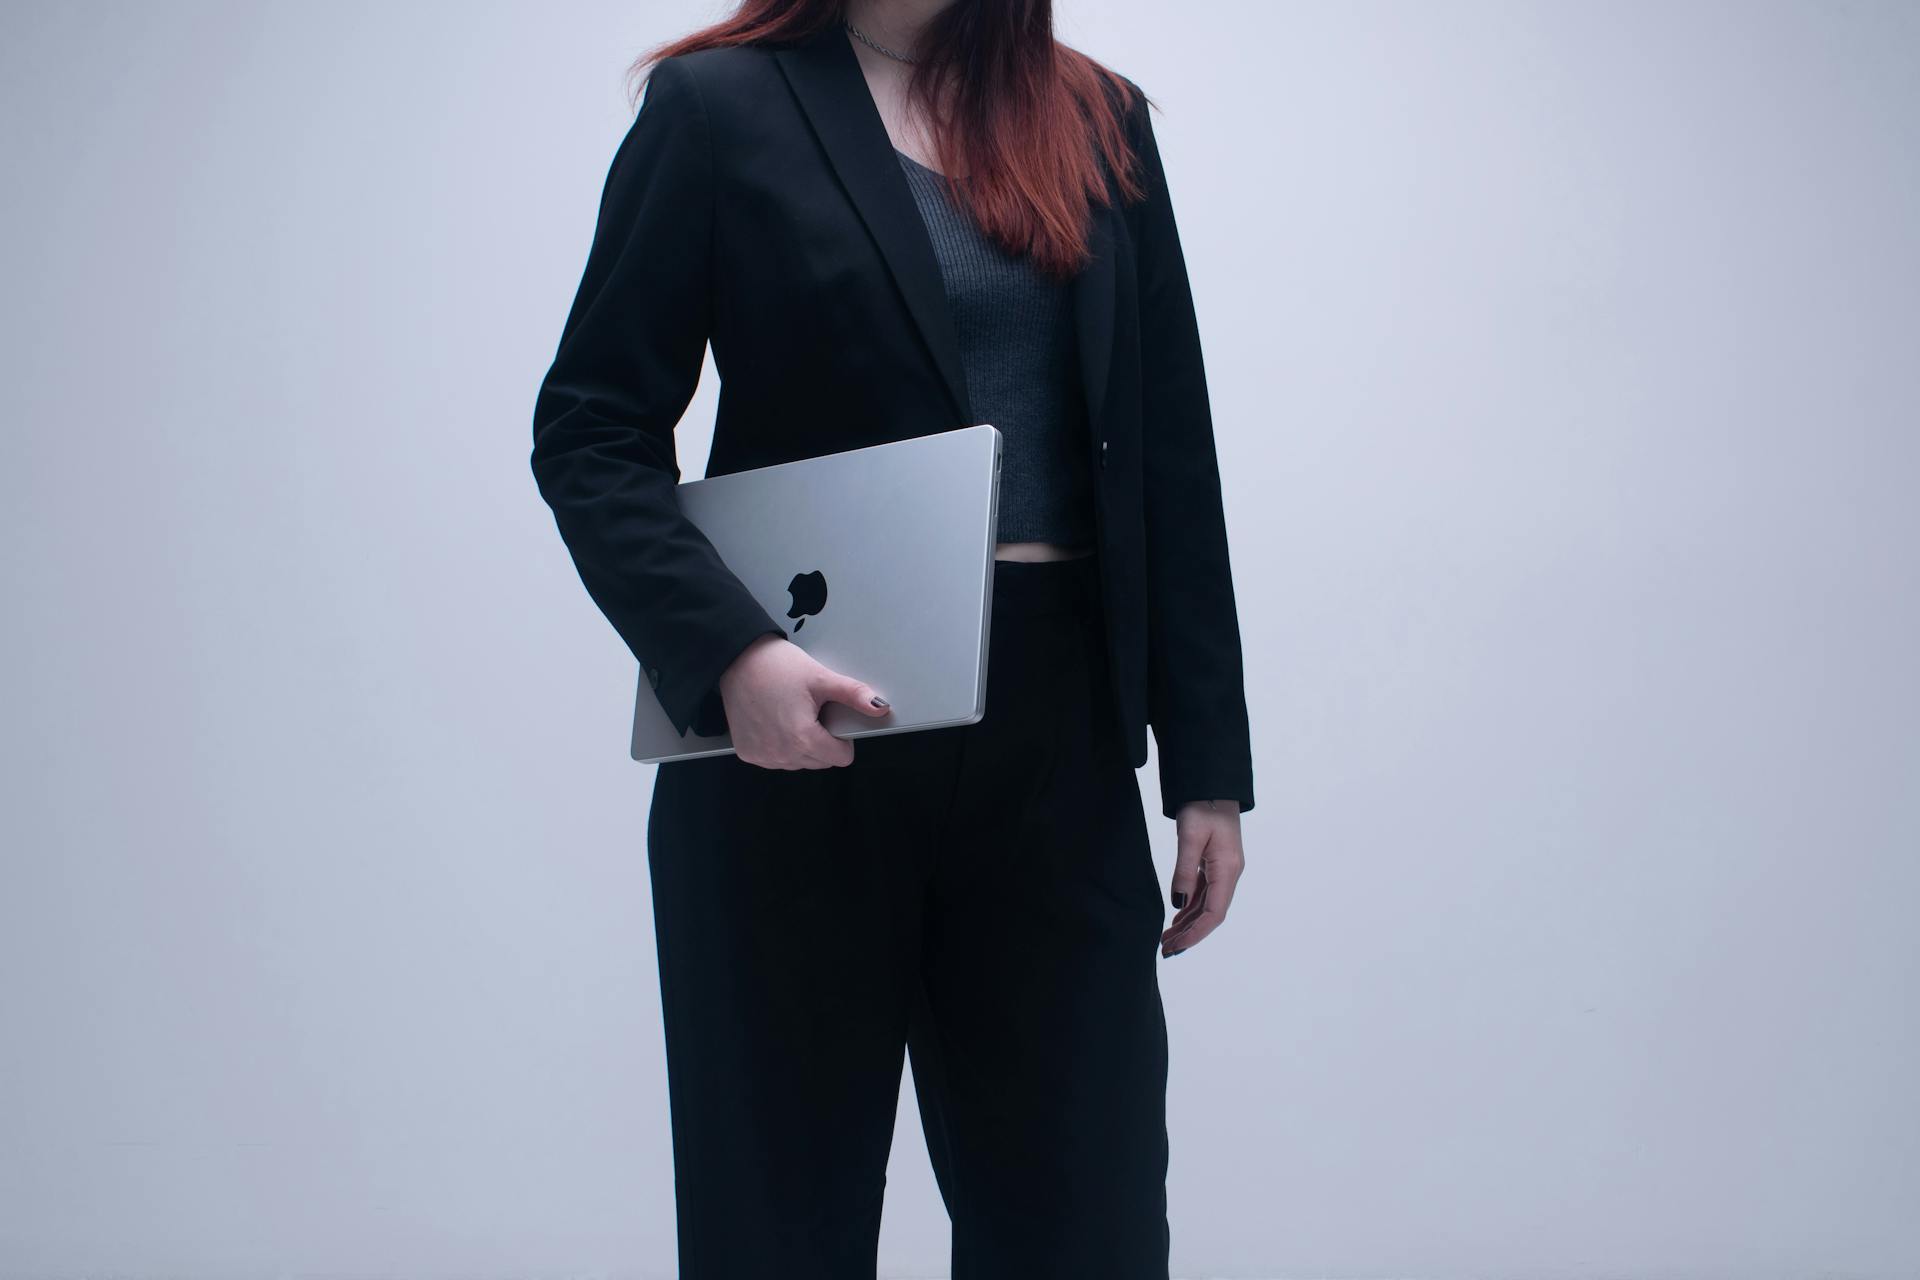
(756, 203)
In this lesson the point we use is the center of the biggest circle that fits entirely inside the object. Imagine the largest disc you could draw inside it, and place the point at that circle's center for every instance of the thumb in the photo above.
(858, 694)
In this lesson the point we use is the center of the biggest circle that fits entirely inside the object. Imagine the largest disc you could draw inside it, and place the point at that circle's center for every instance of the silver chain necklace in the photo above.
(871, 43)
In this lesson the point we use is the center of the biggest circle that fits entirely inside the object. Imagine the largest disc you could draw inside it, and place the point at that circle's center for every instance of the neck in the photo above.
(894, 23)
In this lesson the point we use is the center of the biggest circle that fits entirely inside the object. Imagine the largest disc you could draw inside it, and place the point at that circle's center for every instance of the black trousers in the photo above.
(981, 895)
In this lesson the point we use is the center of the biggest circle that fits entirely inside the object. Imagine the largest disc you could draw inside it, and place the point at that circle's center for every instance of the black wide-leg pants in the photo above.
(983, 895)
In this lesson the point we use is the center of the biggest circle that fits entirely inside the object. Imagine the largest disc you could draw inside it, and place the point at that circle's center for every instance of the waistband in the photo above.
(1070, 586)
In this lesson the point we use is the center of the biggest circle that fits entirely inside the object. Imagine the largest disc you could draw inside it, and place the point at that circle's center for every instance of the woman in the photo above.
(889, 218)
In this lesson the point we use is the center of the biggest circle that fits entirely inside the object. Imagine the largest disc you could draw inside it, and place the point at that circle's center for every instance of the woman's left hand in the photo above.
(1205, 871)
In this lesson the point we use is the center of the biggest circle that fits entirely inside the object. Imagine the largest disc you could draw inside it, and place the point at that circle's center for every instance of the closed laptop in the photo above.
(879, 562)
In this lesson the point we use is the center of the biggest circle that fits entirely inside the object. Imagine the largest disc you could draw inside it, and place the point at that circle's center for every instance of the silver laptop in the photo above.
(879, 561)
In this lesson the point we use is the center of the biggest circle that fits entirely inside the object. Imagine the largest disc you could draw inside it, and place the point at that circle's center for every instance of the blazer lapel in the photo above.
(1093, 318)
(832, 90)
(827, 79)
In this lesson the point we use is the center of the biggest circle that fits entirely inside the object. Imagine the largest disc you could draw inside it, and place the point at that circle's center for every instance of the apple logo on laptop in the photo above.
(809, 592)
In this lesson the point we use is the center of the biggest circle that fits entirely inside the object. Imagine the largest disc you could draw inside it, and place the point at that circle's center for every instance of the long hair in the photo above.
(1026, 119)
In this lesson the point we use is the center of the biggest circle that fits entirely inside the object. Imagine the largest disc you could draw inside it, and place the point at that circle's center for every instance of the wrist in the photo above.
(739, 663)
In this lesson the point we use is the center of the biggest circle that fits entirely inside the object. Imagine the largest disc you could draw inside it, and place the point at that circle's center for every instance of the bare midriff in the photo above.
(1038, 551)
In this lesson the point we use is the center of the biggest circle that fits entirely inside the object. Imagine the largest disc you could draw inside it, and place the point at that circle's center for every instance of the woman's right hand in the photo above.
(773, 693)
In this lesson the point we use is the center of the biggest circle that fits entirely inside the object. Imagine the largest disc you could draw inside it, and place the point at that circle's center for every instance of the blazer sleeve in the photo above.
(629, 359)
(1196, 699)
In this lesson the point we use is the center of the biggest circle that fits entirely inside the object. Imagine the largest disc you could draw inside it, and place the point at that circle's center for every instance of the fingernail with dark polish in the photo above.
(1172, 954)
(879, 701)
(1179, 900)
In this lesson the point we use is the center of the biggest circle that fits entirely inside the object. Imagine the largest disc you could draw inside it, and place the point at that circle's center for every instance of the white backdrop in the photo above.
(1564, 369)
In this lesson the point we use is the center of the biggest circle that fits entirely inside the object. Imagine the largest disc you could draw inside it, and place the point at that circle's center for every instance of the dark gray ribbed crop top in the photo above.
(1023, 370)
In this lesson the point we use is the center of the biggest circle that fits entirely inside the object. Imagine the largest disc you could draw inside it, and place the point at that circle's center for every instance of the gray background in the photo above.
(1564, 361)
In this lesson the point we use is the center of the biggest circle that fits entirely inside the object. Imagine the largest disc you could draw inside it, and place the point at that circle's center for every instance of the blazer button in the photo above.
(1103, 453)
(653, 676)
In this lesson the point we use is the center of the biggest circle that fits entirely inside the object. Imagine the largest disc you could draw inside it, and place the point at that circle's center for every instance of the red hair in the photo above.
(1030, 120)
